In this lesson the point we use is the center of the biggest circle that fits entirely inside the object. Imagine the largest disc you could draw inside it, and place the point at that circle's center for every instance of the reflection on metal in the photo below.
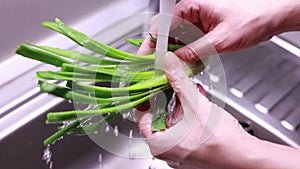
(25, 113)
(261, 108)
(287, 125)
(288, 46)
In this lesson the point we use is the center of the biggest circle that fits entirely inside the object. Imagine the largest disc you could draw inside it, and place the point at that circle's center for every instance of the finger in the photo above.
(191, 33)
(202, 90)
(148, 45)
(144, 120)
(177, 76)
(173, 164)
(189, 11)
(185, 89)
(196, 50)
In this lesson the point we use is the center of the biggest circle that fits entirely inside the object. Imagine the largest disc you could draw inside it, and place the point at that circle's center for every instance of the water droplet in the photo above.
(145, 141)
(51, 165)
(100, 157)
(60, 138)
(107, 128)
(130, 133)
(129, 114)
(122, 84)
(124, 117)
(91, 107)
(130, 138)
(151, 166)
(131, 155)
(116, 130)
(47, 157)
(69, 101)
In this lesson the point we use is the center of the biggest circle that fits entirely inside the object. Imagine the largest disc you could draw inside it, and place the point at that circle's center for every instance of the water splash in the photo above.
(130, 138)
(130, 133)
(58, 139)
(91, 106)
(47, 157)
(116, 130)
(126, 116)
(152, 165)
(100, 159)
(107, 128)
(51, 165)
(131, 154)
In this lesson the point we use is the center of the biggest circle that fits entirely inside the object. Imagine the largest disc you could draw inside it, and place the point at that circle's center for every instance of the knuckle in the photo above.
(190, 55)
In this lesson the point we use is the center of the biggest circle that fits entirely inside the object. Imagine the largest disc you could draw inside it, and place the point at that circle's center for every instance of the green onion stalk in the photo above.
(84, 74)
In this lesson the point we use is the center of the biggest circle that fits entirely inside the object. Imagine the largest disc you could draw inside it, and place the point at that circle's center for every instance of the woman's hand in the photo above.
(205, 136)
(228, 25)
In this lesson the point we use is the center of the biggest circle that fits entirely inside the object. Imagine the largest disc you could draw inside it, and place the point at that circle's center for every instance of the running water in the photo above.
(100, 161)
(47, 157)
(130, 138)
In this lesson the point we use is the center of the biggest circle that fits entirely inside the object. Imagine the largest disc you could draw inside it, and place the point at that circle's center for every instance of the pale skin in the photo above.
(229, 25)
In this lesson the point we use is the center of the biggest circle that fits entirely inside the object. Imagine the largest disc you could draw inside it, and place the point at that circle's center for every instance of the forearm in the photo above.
(288, 13)
(276, 156)
(253, 153)
(245, 152)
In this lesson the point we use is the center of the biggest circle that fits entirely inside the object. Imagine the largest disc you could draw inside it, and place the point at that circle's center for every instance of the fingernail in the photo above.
(170, 62)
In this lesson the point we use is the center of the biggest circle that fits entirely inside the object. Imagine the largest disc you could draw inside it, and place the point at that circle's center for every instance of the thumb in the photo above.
(144, 120)
(197, 50)
(185, 89)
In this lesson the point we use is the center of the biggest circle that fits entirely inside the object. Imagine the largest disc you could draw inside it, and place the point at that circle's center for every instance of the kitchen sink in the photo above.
(262, 93)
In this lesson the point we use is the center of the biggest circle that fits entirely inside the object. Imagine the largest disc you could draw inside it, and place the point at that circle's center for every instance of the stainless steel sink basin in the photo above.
(24, 148)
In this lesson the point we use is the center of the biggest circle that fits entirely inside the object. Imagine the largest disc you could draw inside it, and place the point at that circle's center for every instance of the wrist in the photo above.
(286, 16)
(226, 150)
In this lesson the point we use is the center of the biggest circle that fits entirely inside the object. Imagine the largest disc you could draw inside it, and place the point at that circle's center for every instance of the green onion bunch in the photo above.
(84, 74)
